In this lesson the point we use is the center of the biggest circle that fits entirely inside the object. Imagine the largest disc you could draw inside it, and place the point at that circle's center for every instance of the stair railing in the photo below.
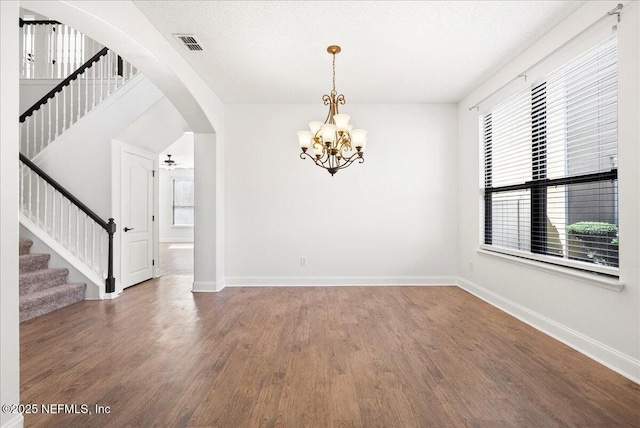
(71, 223)
(52, 50)
(72, 99)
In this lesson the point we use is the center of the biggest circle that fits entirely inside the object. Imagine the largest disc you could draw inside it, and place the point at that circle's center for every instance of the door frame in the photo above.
(119, 149)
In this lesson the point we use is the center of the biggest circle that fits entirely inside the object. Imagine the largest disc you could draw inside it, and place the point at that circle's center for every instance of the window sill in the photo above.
(593, 279)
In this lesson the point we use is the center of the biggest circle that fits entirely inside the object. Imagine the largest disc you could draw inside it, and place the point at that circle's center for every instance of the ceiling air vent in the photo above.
(189, 41)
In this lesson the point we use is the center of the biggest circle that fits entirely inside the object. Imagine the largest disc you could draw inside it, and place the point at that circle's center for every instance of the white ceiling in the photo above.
(392, 51)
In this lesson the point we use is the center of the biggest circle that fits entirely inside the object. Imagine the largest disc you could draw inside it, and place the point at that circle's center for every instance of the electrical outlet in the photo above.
(471, 265)
(303, 261)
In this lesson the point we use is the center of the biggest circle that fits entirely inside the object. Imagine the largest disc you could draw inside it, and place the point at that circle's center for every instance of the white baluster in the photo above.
(56, 51)
(93, 68)
(108, 72)
(49, 106)
(34, 130)
(25, 125)
(62, 219)
(77, 231)
(42, 142)
(69, 224)
(70, 103)
(101, 80)
(49, 51)
(57, 101)
(68, 56)
(93, 246)
(23, 51)
(21, 188)
(37, 200)
(86, 92)
(53, 213)
(32, 63)
(30, 194)
(63, 42)
(46, 207)
(32, 120)
(64, 108)
(78, 99)
(79, 90)
(86, 241)
(101, 255)
(72, 51)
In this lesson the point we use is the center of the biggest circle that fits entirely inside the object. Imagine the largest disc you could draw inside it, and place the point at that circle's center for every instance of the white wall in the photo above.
(390, 220)
(9, 323)
(168, 232)
(156, 129)
(600, 322)
(31, 90)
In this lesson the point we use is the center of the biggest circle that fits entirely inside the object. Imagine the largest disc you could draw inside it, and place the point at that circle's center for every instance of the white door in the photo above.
(137, 219)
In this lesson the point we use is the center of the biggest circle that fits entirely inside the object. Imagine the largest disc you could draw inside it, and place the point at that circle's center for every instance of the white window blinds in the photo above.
(550, 166)
(183, 202)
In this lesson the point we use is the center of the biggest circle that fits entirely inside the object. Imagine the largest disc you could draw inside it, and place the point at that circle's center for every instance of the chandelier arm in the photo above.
(351, 160)
(322, 162)
(315, 160)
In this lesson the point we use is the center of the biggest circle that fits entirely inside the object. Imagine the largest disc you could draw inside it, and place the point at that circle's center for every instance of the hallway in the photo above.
(176, 259)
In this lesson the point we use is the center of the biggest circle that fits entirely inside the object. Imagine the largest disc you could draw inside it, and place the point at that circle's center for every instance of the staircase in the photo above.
(43, 290)
(48, 210)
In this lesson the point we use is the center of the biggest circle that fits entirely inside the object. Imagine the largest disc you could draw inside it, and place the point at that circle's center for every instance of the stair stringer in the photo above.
(61, 257)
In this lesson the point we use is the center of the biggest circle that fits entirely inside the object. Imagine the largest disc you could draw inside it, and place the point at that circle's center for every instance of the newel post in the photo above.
(110, 282)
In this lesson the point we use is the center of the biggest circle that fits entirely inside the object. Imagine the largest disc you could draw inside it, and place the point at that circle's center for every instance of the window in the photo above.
(550, 166)
(183, 202)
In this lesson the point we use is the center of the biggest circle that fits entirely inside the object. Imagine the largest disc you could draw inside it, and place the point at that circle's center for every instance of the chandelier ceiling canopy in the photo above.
(335, 143)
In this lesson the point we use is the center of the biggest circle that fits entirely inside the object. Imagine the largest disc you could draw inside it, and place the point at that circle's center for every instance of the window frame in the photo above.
(173, 202)
(537, 187)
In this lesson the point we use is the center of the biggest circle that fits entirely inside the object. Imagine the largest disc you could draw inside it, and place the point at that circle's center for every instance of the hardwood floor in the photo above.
(347, 357)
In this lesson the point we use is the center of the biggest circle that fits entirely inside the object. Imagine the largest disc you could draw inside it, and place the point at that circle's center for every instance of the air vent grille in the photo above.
(189, 41)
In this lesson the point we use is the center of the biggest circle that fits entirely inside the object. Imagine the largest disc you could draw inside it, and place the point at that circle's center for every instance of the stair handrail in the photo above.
(102, 52)
(22, 22)
(109, 226)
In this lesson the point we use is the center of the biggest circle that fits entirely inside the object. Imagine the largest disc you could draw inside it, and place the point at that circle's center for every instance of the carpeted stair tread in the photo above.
(37, 280)
(32, 262)
(24, 246)
(43, 290)
(48, 300)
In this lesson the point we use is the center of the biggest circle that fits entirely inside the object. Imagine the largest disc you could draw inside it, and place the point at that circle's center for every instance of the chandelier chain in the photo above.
(334, 75)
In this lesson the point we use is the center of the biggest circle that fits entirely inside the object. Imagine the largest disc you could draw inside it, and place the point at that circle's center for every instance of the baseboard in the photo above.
(111, 296)
(17, 421)
(617, 361)
(335, 281)
(207, 287)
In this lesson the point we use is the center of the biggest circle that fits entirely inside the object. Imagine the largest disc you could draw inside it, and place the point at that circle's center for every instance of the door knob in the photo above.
(126, 229)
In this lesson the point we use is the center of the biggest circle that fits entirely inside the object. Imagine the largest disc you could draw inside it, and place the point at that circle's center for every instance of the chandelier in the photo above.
(335, 143)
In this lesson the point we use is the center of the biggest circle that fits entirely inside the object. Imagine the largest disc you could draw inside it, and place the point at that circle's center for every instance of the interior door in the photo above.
(137, 219)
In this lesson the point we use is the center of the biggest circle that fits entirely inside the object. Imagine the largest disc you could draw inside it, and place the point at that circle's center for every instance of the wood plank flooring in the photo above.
(319, 357)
